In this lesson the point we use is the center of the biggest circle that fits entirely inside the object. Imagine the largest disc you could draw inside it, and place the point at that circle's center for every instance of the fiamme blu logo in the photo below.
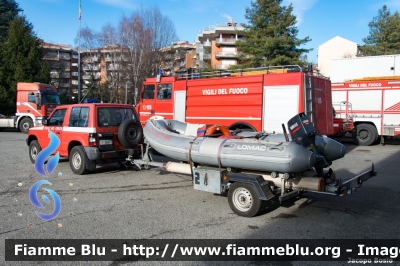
(45, 167)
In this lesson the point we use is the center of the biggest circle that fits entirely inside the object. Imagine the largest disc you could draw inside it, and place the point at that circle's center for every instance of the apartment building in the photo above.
(63, 63)
(177, 57)
(97, 66)
(216, 46)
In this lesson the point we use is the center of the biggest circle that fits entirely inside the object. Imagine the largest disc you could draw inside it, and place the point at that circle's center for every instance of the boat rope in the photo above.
(190, 157)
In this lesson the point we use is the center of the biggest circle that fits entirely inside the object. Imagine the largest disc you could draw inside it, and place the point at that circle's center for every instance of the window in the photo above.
(113, 116)
(31, 97)
(164, 91)
(79, 117)
(50, 98)
(57, 118)
(148, 91)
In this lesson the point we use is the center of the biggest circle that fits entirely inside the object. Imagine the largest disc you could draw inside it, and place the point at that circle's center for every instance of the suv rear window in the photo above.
(113, 116)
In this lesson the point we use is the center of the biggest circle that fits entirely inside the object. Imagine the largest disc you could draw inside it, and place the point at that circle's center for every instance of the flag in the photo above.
(80, 10)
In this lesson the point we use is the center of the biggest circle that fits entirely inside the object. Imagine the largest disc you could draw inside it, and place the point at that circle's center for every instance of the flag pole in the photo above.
(79, 52)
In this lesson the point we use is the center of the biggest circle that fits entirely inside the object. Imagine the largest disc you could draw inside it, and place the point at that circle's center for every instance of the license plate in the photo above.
(105, 142)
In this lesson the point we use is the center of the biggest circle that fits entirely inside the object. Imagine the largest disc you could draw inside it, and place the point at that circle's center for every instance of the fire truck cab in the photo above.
(34, 101)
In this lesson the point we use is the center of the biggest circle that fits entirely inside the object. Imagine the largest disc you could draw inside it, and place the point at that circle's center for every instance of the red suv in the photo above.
(90, 134)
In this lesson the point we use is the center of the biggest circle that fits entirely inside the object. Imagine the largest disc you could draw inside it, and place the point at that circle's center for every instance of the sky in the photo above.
(56, 21)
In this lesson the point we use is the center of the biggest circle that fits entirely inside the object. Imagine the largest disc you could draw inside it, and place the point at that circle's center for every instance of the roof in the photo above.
(337, 37)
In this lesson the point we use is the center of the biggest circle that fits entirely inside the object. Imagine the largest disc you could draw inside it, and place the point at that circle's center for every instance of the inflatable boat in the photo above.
(216, 145)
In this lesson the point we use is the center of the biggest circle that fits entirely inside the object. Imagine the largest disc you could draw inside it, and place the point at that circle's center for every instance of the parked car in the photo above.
(90, 134)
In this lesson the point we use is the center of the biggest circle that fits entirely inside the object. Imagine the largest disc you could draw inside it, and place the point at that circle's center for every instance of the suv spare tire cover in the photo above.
(130, 133)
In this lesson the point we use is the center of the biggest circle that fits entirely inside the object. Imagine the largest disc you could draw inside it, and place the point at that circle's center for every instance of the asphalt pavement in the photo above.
(125, 203)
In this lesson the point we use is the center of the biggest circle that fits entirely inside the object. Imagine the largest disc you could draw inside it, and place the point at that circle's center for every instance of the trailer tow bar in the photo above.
(349, 186)
(146, 161)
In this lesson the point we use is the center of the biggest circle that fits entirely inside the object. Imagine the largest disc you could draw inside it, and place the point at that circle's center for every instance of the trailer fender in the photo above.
(261, 186)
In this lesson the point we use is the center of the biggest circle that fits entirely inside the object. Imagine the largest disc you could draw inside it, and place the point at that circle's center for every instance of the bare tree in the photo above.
(142, 36)
(136, 43)
(91, 63)
(163, 33)
(109, 40)
(131, 51)
(348, 55)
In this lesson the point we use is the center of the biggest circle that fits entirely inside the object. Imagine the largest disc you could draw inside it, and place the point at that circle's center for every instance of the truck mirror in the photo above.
(38, 105)
(44, 121)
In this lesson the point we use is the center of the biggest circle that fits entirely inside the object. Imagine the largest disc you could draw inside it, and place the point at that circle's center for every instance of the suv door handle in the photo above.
(58, 133)
(152, 111)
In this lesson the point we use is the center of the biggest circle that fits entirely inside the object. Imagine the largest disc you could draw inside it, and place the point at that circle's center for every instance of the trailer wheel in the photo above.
(364, 134)
(243, 199)
(130, 133)
(34, 149)
(25, 124)
(77, 160)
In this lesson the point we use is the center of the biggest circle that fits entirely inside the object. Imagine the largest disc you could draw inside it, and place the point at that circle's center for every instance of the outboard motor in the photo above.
(303, 132)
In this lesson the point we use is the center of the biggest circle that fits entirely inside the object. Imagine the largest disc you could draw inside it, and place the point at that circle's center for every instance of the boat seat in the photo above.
(192, 129)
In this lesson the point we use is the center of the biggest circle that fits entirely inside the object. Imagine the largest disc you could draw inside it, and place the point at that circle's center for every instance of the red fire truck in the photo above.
(34, 101)
(252, 99)
(369, 108)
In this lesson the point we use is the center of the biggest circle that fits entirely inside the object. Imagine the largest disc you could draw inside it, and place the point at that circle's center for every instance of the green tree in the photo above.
(20, 60)
(8, 11)
(270, 38)
(384, 34)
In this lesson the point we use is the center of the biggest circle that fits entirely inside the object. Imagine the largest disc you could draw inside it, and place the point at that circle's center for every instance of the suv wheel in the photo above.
(77, 160)
(130, 133)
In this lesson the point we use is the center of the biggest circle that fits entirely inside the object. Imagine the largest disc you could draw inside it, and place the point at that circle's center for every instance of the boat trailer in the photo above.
(247, 189)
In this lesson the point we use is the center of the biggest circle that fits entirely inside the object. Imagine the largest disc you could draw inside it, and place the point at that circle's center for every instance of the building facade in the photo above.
(216, 46)
(63, 63)
(179, 56)
(334, 48)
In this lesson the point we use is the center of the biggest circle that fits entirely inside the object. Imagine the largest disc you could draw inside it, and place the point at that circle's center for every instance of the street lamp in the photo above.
(126, 91)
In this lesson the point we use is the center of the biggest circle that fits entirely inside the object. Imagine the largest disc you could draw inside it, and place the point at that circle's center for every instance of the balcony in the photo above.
(111, 67)
(64, 85)
(167, 66)
(232, 54)
(206, 56)
(226, 41)
(90, 59)
(65, 57)
(51, 56)
(180, 56)
(90, 77)
(91, 68)
(65, 75)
